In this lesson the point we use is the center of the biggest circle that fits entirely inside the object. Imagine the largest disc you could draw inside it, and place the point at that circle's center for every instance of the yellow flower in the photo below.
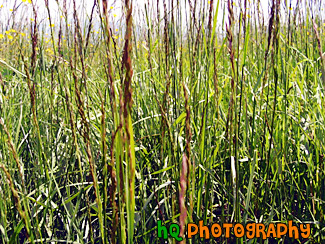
(116, 30)
(7, 32)
(23, 1)
(11, 10)
(12, 30)
(29, 1)
(52, 25)
(10, 37)
(31, 19)
(1, 6)
(308, 33)
(114, 15)
(1, 36)
(49, 50)
(111, 7)
(22, 34)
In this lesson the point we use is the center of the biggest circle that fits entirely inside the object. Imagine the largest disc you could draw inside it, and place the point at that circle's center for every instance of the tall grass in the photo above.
(177, 111)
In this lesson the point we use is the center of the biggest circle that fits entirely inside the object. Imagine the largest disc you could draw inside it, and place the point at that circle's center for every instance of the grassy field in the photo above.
(176, 111)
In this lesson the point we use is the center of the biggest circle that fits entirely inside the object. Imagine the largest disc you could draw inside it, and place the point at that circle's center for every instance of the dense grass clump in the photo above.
(114, 118)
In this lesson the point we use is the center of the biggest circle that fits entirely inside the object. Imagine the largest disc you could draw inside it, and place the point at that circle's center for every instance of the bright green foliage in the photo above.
(87, 158)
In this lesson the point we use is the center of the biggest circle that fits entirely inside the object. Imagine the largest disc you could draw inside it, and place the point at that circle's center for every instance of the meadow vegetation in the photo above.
(177, 111)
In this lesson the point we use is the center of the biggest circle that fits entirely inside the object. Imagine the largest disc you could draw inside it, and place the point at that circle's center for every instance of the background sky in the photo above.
(20, 11)
(23, 8)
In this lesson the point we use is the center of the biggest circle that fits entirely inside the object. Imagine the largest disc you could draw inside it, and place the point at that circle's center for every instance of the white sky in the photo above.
(24, 8)
(24, 13)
